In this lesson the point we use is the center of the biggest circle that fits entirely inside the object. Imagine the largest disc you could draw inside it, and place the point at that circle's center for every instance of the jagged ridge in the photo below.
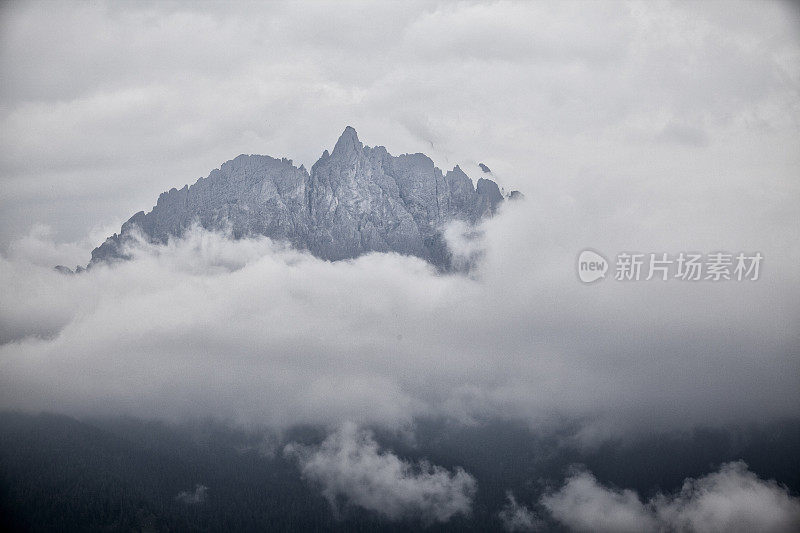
(355, 200)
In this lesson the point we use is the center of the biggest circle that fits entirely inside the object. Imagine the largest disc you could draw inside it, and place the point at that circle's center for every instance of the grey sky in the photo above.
(104, 106)
(644, 127)
(649, 127)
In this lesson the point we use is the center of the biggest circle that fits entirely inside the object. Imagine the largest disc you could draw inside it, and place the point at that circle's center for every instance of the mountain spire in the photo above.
(347, 142)
(354, 201)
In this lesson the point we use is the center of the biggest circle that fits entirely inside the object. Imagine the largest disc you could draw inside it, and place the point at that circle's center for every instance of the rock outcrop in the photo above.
(356, 199)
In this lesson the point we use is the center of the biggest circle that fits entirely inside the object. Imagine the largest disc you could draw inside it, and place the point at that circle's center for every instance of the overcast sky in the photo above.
(649, 127)
(104, 106)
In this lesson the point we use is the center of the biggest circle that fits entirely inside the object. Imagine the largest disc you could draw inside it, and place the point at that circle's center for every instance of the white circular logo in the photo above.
(591, 266)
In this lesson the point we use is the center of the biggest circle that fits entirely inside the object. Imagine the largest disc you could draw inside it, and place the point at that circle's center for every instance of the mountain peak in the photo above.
(348, 141)
(354, 201)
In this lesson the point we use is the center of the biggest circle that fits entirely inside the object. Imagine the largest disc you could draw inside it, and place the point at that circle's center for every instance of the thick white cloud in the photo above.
(640, 127)
(630, 127)
(350, 464)
(585, 505)
(252, 331)
(731, 499)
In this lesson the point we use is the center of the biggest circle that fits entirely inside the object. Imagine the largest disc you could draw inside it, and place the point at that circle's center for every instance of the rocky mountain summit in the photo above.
(356, 199)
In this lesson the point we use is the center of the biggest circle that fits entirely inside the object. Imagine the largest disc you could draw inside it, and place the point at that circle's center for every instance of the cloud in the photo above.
(106, 105)
(517, 517)
(588, 97)
(584, 505)
(629, 127)
(251, 331)
(731, 499)
(688, 135)
(350, 464)
(193, 498)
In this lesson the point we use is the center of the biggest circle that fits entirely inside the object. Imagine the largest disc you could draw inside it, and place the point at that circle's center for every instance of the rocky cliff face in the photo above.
(355, 200)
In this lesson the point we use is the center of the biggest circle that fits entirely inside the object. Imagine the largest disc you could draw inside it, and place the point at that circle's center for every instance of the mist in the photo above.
(380, 392)
(252, 331)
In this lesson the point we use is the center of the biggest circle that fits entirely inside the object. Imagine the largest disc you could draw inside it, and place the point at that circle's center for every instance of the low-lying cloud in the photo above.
(731, 499)
(517, 517)
(350, 464)
(252, 331)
